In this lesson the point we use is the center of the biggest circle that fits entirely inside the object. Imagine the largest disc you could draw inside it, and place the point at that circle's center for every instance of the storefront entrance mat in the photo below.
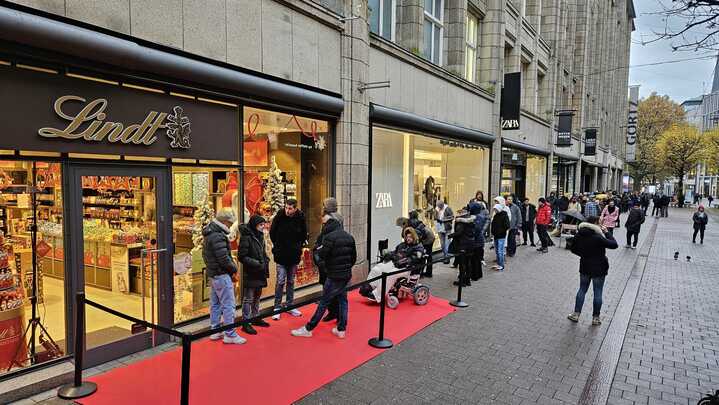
(273, 367)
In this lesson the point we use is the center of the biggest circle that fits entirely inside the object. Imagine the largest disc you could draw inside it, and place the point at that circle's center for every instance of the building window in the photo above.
(381, 18)
(538, 98)
(433, 30)
(526, 87)
(470, 54)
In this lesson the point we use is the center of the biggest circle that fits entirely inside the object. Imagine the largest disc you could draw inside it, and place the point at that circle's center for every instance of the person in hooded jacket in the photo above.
(255, 270)
(221, 272)
(329, 207)
(463, 242)
(590, 244)
(634, 222)
(410, 252)
(499, 228)
(288, 234)
(481, 221)
(337, 255)
(426, 238)
(700, 220)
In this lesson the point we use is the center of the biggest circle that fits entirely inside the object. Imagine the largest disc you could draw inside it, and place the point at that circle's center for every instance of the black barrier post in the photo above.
(185, 379)
(78, 388)
(458, 302)
(380, 342)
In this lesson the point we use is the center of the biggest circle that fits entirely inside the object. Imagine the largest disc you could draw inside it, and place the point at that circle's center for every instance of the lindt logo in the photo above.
(99, 129)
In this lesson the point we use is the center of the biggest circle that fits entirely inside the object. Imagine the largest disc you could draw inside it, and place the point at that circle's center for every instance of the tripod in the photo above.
(52, 349)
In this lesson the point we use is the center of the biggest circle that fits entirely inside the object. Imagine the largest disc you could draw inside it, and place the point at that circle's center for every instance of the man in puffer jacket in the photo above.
(463, 240)
(288, 234)
(221, 271)
(255, 269)
(337, 255)
(481, 221)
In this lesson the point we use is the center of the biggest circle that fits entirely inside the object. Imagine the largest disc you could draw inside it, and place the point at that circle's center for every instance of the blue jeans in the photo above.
(285, 275)
(330, 289)
(251, 302)
(499, 250)
(598, 286)
(444, 243)
(222, 303)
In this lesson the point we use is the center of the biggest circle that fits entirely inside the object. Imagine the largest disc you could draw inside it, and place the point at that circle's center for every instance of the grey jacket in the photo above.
(515, 222)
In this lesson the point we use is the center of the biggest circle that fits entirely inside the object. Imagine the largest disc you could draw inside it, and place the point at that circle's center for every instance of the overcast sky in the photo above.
(680, 81)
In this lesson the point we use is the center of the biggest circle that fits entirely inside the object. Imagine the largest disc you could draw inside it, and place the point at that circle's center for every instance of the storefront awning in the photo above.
(565, 156)
(134, 55)
(525, 147)
(594, 164)
(401, 119)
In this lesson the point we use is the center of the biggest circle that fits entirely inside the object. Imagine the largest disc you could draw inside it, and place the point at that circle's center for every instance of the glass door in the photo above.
(121, 259)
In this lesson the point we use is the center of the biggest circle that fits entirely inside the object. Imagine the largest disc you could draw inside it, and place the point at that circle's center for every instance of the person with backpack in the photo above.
(499, 228)
(634, 224)
(255, 270)
(426, 238)
(590, 244)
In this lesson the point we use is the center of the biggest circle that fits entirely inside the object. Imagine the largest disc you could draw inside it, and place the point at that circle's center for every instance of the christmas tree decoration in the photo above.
(274, 191)
(203, 216)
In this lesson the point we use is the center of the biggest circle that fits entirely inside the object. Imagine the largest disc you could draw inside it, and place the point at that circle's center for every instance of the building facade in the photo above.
(148, 113)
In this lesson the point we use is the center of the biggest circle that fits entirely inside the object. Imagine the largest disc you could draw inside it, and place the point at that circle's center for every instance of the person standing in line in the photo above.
(221, 271)
(443, 220)
(609, 217)
(337, 254)
(590, 244)
(426, 238)
(634, 224)
(463, 242)
(665, 200)
(515, 222)
(499, 228)
(288, 234)
(481, 220)
(255, 270)
(529, 214)
(329, 207)
(544, 218)
(700, 219)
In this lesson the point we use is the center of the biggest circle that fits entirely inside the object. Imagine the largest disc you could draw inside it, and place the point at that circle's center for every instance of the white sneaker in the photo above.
(237, 340)
(301, 332)
(276, 317)
(216, 336)
(295, 312)
(484, 264)
(339, 334)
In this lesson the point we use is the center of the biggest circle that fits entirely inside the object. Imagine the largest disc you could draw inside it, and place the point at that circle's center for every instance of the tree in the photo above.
(274, 191)
(679, 150)
(712, 150)
(655, 115)
(697, 21)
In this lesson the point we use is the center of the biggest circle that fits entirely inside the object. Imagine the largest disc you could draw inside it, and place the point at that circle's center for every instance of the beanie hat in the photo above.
(329, 205)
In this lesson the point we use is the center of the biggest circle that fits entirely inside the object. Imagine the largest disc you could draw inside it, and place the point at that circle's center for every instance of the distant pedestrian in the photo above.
(590, 245)
(543, 220)
(255, 270)
(288, 234)
(700, 219)
(711, 199)
(657, 205)
(645, 200)
(664, 203)
(591, 209)
(500, 227)
(529, 214)
(634, 224)
(610, 217)
(515, 224)
(443, 218)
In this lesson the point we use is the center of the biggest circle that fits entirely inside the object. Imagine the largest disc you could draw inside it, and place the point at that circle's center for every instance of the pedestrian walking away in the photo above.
(590, 244)
(329, 207)
(443, 224)
(710, 199)
(499, 228)
(288, 234)
(337, 255)
(634, 224)
(529, 214)
(700, 219)
(515, 222)
(543, 220)
(221, 272)
(255, 270)
(656, 205)
(610, 217)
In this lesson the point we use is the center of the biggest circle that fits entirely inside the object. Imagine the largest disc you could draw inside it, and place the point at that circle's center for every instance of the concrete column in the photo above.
(493, 46)
(410, 20)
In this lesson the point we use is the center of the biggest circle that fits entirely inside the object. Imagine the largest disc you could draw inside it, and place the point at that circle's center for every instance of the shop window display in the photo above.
(286, 156)
(18, 181)
(536, 177)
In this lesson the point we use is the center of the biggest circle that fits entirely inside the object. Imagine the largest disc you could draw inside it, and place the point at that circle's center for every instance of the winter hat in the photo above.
(475, 208)
(329, 205)
(499, 199)
(226, 215)
(256, 220)
(701, 207)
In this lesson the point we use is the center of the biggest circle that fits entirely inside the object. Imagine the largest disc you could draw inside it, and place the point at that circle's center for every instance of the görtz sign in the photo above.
(52, 112)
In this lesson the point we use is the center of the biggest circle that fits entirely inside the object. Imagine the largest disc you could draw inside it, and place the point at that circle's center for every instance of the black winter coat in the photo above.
(254, 259)
(700, 222)
(425, 234)
(532, 213)
(463, 236)
(591, 245)
(216, 250)
(634, 220)
(338, 251)
(500, 225)
(288, 235)
(411, 256)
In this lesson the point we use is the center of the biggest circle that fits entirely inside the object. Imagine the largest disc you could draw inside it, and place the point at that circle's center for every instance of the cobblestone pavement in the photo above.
(514, 345)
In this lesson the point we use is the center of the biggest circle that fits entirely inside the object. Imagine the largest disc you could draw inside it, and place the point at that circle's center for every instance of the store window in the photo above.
(470, 53)
(536, 177)
(31, 189)
(433, 11)
(286, 156)
(411, 172)
(381, 18)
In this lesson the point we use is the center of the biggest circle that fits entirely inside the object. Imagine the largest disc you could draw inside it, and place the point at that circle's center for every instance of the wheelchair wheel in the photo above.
(421, 294)
(392, 301)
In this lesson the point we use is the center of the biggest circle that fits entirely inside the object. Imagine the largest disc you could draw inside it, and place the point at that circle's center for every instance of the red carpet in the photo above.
(273, 367)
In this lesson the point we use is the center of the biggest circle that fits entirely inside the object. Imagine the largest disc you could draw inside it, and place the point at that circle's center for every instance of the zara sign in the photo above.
(384, 200)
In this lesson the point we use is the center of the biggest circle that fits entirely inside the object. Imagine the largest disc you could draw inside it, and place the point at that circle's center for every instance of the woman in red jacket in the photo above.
(544, 219)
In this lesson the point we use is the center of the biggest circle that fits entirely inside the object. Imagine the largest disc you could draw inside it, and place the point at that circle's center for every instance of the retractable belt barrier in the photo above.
(80, 389)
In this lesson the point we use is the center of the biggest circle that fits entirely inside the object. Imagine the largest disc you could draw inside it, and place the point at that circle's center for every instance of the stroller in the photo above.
(399, 285)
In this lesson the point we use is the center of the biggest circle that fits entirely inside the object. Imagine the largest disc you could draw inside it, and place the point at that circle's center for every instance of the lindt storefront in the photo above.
(120, 173)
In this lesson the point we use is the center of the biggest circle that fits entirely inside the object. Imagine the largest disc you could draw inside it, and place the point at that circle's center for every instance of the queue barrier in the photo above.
(80, 389)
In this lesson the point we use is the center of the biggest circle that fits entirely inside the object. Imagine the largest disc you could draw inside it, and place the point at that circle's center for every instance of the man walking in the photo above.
(634, 224)
(544, 219)
(499, 228)
(664, 203)
(515, 222)
(656, 207)
(288, 234)
(221, 271)
(592, 208)
(529, 214)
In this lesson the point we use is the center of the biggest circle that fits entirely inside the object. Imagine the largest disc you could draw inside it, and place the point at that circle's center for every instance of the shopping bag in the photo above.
(42, 248)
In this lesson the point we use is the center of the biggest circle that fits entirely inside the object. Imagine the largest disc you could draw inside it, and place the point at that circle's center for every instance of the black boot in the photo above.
(247, 328)
(329, 317)
(261, 323)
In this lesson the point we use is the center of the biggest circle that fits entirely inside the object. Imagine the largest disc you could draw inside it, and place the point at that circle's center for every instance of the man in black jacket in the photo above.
(499, 228)
(255, 269)
(590, 245)
(221, 271)
(288, 234)
(529, 214)
(337, 255)
(634, 224)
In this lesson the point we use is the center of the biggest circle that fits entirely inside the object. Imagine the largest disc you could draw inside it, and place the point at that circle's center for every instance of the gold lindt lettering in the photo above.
(134, 133)
(86, 114)
(150, 137)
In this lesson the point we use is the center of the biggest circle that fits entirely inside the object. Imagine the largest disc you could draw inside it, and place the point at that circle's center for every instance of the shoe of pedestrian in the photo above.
(540, 249)
(428, 275)
(628, 246)
(216, 336)
(295, 312)
(524, 244)
(445, 261)
(596, 320)
(574, 317)
(694, 241)
(329, 317)
(634, 247)
(276, 317)
(301, 332)
(261, 323)
(484, 264)
(247, 328)
(500, 268)
(533, 245)
(339, 333)
(235, 340)
(456, 283)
